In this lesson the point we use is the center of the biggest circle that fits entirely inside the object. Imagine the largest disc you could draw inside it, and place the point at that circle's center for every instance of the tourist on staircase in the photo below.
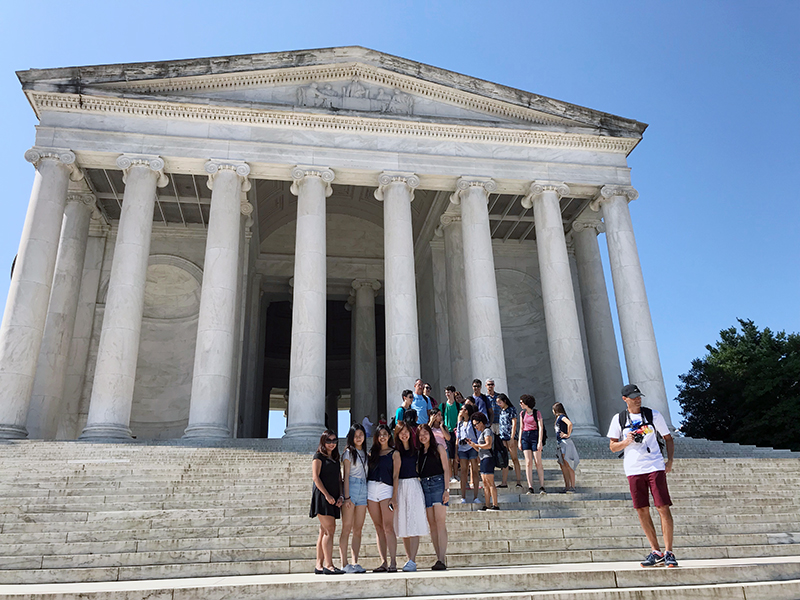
(326, 499)
(433, 469)
(566, 452)
(450, 410)
(383, 468)
(468, 457)
(354, 509)
(484, 449)
(635, 432)
(509, 432)
(408, 499)
(531, 440)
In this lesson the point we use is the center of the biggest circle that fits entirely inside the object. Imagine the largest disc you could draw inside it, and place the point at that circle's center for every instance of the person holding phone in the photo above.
(383, 470)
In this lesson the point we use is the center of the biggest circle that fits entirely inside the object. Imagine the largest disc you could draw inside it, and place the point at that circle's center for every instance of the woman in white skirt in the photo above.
(566, 452)
(410, 520)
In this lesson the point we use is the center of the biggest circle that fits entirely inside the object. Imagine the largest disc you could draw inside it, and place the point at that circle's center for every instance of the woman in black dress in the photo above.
(326, 499)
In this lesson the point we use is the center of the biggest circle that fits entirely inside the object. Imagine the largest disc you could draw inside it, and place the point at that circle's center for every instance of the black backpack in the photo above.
(393, 422)
(647, 419)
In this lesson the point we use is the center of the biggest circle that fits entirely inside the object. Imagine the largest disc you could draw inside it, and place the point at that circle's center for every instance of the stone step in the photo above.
(454, 583)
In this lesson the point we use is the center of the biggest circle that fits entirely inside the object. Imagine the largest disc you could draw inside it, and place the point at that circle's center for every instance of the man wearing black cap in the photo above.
(634, 433)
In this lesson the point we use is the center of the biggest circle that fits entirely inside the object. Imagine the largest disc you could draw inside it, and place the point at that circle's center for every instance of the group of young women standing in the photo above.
(401, 482)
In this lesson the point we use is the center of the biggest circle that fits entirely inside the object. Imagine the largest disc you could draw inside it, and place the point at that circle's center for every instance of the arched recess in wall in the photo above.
(525, 338)
(166, 351)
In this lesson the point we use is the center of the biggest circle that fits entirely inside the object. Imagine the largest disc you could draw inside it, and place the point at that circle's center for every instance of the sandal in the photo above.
(381, 569)
(503, 485)
(391, 570)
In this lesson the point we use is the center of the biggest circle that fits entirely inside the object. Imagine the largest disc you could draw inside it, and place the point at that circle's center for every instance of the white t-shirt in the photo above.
(358, 468)
(637, 459)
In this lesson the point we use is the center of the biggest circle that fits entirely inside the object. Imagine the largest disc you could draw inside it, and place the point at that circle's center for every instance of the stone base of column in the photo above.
(309, 431)
(586, 430)
(13, 432)
(106, 431)
(206, 431)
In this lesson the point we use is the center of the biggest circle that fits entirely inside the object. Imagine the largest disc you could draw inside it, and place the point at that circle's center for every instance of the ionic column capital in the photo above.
(464, 183)
(300, 172)
(374, 284)
(65, 156)
(155, 163)
(388, 178)
(449, 219)
(596, 224)
(540, 187)
(610, 191)
(241, 168)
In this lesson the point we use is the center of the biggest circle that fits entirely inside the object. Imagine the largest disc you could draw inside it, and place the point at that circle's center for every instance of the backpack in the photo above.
(647, 419)
(499, 452)
(393, 422)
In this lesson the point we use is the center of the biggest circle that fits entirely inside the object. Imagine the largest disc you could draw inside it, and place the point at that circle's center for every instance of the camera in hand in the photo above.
(462, 442)
(638, 435)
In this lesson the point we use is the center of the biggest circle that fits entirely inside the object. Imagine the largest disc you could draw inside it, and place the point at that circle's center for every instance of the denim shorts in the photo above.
(530, 440)
(487, 466)
(467, 454)
(358, 491)
(433, 488)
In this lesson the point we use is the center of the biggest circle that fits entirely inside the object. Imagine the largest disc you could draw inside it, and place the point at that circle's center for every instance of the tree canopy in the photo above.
(745, 390)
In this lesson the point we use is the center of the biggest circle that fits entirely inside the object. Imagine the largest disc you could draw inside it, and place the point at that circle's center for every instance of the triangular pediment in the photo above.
(348, 81)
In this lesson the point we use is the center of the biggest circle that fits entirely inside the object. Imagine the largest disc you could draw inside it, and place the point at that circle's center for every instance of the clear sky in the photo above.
(718, 216)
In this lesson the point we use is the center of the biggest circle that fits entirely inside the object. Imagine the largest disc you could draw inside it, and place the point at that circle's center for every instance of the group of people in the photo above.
(402, 480)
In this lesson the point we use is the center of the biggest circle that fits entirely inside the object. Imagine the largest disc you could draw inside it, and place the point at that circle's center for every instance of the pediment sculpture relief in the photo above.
(355, 96)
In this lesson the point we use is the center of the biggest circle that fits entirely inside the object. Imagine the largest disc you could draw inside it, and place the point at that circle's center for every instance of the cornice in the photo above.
(58, 102)
(339, 72)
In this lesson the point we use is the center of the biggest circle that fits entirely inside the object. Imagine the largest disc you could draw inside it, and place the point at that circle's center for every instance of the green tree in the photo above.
(745, 390)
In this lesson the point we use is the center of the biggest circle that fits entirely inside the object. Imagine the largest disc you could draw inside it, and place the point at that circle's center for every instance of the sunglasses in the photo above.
(332, 441)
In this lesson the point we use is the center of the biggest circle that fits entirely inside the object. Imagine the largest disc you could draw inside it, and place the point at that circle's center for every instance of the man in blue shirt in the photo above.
(421, 404)
(481, 401)
(492, 395)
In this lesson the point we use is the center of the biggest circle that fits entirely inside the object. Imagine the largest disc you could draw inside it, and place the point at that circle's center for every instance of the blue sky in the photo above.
(718, 216)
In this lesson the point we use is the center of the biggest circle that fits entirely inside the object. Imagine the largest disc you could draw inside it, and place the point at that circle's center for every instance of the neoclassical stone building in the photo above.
(208, 239)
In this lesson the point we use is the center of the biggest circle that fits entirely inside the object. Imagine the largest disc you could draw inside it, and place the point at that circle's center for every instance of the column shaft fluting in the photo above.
(309, 308)
(51, 371)
(29, 293)
(115, 373)
(603, 352)
(457, 300)
(570, 381)
(216, 322)
(402, 329)
(365, 375)
(483, 310)
(635, 322)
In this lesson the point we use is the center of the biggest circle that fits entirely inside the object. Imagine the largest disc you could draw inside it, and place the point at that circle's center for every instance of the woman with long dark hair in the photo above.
(566, 453)
(468, 457)
(354, 509)
(326, 499)
(383, 470)
(509, 432)
(434, 474)
(531, 440)
(409, 499)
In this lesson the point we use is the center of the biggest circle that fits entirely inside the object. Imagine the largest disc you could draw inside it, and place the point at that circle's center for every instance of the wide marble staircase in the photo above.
(174, 521)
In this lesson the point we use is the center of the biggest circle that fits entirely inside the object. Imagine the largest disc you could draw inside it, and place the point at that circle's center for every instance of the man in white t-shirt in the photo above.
(646, 469)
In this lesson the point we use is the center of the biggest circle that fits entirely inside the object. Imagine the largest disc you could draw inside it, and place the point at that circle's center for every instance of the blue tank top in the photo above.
(384, 472)
(408, 467)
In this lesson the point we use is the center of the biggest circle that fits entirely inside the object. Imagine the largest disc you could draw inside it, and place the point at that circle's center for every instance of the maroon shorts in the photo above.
(642, 485)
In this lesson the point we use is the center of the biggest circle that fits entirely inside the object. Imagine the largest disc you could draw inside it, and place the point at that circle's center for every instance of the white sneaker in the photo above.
(453, 480)
(477, 501)
(410, 566)
(463, 501)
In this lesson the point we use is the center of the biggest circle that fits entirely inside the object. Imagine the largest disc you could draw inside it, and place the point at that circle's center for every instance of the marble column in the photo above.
(456, 299)
(635, 322)
(570, 381)
(603, 353)
(217, 331)
(396, 191)
(312, 185)
(29, 292)
(115, 372)
(48, 385)
(365, 377)
(480, 284)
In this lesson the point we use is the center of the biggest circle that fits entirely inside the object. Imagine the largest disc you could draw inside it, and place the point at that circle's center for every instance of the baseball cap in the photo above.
(631, 391)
